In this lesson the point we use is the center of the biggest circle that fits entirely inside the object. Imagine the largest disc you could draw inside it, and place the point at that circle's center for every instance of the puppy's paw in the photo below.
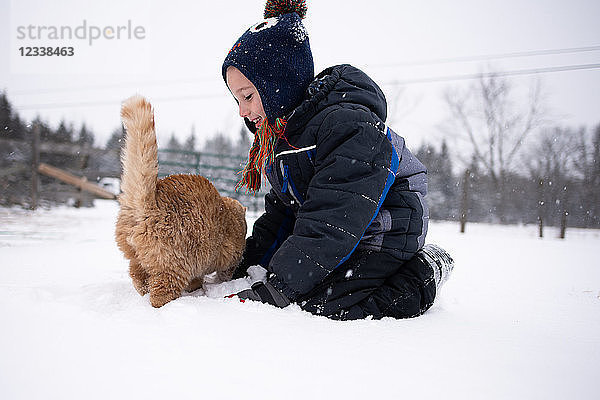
(158, 300)
(141, 287)
(195, 284)
(225, 275)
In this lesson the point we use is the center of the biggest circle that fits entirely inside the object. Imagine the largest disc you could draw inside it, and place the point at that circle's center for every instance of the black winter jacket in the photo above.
(341, 181)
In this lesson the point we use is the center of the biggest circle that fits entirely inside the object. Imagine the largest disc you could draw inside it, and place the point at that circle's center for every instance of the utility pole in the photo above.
(464, 204)
(541, 207)
(35, 160)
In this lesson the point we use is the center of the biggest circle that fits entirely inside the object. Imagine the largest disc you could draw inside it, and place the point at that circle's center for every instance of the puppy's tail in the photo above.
(139, 157)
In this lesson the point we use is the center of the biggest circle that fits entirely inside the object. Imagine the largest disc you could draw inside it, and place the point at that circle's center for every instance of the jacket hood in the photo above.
(335, 85)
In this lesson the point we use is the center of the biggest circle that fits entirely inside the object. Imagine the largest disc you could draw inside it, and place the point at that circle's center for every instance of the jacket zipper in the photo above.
(285, 173)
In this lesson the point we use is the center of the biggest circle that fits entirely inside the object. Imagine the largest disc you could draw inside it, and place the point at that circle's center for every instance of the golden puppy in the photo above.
(174, 230)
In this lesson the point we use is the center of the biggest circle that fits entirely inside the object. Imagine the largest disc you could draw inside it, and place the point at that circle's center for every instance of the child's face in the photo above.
(247, 96)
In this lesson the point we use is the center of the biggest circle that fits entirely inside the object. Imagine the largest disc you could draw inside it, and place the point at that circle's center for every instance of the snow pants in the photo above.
(373, 284)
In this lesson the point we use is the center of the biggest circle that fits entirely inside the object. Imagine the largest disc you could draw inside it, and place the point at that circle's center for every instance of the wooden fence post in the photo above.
(80, 192)
(541, 205)
(563, 225)
(564, 213)
(464, 204)
(35, 160)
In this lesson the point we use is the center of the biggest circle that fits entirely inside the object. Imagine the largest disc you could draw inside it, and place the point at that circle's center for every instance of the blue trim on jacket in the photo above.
(282, 234)
(395, 162)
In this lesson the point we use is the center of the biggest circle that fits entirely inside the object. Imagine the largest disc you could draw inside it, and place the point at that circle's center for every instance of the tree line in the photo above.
(510, 162)
(559, 183)
(77, 151)
(500, 161)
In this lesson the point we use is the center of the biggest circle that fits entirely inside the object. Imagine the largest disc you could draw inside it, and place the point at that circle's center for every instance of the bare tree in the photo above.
(242, 146)
(586, 165)
(399, 105)
(495, 125)
(550, 162)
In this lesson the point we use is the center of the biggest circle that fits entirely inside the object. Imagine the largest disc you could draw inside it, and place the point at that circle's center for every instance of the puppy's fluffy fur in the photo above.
(174, 230)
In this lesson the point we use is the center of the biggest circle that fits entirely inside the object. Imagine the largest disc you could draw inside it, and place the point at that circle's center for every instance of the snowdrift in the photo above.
(519, 318)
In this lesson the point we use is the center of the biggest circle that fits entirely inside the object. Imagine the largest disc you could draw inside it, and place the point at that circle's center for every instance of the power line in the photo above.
(483, 57)
(531, 53)
(113, 86)
(534, 71)
(480, 75)
(113, 102)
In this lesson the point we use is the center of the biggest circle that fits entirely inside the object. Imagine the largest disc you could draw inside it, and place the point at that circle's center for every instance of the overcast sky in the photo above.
(177, 61)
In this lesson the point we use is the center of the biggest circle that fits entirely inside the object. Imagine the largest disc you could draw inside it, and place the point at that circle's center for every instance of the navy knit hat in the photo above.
(275, 56)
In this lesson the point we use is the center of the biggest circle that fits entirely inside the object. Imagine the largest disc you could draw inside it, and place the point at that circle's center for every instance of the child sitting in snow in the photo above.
(345, 221)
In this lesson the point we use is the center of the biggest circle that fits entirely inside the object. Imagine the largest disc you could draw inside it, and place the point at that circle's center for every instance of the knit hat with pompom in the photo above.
(274, 54)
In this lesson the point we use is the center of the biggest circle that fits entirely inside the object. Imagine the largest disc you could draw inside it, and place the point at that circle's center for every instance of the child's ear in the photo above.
(245, 209)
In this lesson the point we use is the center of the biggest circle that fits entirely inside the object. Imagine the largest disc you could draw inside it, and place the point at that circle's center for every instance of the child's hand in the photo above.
(265, 293)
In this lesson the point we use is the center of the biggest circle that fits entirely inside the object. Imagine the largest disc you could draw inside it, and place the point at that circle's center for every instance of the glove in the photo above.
(265, 293)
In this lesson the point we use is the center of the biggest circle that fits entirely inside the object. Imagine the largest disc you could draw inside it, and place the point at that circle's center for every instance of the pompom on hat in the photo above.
(273, 54)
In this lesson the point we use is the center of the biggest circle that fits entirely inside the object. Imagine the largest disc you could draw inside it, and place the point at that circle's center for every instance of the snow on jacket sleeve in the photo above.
(354, 169)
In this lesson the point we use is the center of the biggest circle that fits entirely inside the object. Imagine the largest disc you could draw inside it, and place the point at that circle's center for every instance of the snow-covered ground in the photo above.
(519, 319)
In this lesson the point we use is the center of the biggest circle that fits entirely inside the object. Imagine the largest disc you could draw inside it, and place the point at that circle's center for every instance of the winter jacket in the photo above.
(341, 181)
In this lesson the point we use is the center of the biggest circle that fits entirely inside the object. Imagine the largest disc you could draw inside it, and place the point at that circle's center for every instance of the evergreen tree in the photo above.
(64, 133)
(190, 142)
(86, 137)
(11, 126)
(46, 133)
(446, 174)
(243, 144)
(441, 181)
(171, 156)
(551, 164)
(5, 116)
(596, 158)
(173, 143)
(218, 151)
(116, 140)
(219, 144)
(18, 129)
(594, 201)
(479, 189)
